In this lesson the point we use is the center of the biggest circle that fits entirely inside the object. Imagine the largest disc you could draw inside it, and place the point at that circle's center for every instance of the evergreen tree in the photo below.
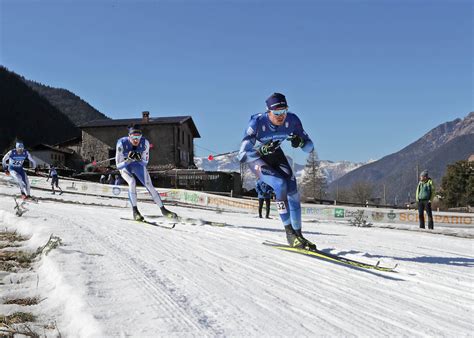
(458, 185)
(314, 182)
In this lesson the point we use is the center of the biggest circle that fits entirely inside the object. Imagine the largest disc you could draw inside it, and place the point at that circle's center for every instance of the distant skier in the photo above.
(53, 174)
(264, 192)
(260, 149)
(132, 156)
(15, 158)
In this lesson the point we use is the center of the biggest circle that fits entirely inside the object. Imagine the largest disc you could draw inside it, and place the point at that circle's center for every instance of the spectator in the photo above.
(264, 192)
(424, 196)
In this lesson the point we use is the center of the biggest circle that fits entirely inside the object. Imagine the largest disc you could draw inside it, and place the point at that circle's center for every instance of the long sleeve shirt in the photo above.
(16, 159)
(262, 131)
(124, 147)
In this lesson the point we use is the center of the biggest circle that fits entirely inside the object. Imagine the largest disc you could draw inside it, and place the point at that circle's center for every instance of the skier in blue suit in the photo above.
(260, 149)
(131, 157)
(15, 158)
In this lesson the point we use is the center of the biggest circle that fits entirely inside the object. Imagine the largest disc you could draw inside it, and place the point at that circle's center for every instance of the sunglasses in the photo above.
(279, 112)
(135, 136)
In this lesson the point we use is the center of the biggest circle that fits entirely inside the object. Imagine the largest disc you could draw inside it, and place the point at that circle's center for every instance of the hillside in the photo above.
(443, 145)
(27, 115)
(75, 108)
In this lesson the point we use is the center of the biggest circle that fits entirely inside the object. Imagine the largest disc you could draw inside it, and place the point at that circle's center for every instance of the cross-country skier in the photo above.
(260, 149)
(15, 158)
(54, 180)
(132, 156)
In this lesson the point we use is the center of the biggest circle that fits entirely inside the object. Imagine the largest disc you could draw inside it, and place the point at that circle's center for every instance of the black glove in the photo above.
(134, 156)
(296, 141)
(269, 148)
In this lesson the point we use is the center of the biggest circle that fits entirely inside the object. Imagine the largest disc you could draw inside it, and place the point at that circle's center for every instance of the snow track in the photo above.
(141, 280)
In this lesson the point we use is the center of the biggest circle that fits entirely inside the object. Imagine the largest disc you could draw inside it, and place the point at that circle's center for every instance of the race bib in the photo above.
(281, 207)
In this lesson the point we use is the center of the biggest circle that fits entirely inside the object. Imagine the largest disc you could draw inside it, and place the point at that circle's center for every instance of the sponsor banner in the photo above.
(376, 215)
(324, 212)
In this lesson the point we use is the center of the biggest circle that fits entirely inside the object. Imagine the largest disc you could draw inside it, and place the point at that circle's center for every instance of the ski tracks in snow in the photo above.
(211, 281)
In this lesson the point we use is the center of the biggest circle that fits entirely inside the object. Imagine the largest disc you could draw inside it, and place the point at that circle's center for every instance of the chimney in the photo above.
(145, 117)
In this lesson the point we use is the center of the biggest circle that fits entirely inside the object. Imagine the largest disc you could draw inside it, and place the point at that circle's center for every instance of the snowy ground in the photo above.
(119, 278)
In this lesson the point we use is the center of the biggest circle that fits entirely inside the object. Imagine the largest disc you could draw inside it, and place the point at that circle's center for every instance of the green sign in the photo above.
(339, 213)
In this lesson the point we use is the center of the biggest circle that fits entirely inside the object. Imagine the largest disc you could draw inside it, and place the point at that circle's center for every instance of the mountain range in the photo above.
(229, 163)
(398, 172)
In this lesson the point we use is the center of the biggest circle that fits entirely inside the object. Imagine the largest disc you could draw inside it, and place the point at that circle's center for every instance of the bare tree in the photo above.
(314, 182)
(362, 192)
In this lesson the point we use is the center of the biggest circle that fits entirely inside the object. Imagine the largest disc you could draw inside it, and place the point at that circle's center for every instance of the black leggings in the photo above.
(422, 206)
(260, 206)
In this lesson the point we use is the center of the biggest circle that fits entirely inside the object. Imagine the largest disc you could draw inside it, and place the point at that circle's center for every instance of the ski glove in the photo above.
(296, 141)
(134, 156)
(269, 148)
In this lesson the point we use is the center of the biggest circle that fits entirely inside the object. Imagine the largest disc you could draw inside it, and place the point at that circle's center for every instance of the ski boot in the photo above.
(137, 216)
(168, 213)
(296, 240)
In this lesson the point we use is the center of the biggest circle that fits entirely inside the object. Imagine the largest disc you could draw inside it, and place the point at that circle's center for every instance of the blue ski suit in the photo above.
(274, 169)
(15, 167)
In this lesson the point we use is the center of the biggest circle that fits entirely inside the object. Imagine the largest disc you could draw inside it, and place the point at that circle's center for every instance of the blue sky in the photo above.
(366, 77)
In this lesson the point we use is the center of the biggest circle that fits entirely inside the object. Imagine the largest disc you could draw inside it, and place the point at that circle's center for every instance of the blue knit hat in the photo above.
(276, 101)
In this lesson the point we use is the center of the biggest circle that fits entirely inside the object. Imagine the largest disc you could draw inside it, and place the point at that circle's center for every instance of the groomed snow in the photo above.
(114, 277)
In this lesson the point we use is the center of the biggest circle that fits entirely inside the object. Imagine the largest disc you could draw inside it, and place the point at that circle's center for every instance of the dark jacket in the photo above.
(263, 190)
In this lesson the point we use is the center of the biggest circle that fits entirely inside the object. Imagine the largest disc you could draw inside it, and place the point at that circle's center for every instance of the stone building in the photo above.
(171, 140)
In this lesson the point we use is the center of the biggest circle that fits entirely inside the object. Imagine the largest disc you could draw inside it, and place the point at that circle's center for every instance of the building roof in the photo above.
(151, 121)
(71, 141)
(43, 146)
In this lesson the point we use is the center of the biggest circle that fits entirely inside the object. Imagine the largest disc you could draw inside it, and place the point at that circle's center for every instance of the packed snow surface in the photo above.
(113, 277)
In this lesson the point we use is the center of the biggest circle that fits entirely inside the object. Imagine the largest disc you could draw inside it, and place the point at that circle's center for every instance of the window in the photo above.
(184, 156)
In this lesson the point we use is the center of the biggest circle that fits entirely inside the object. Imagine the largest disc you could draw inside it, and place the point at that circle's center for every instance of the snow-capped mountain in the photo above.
(228, 162)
